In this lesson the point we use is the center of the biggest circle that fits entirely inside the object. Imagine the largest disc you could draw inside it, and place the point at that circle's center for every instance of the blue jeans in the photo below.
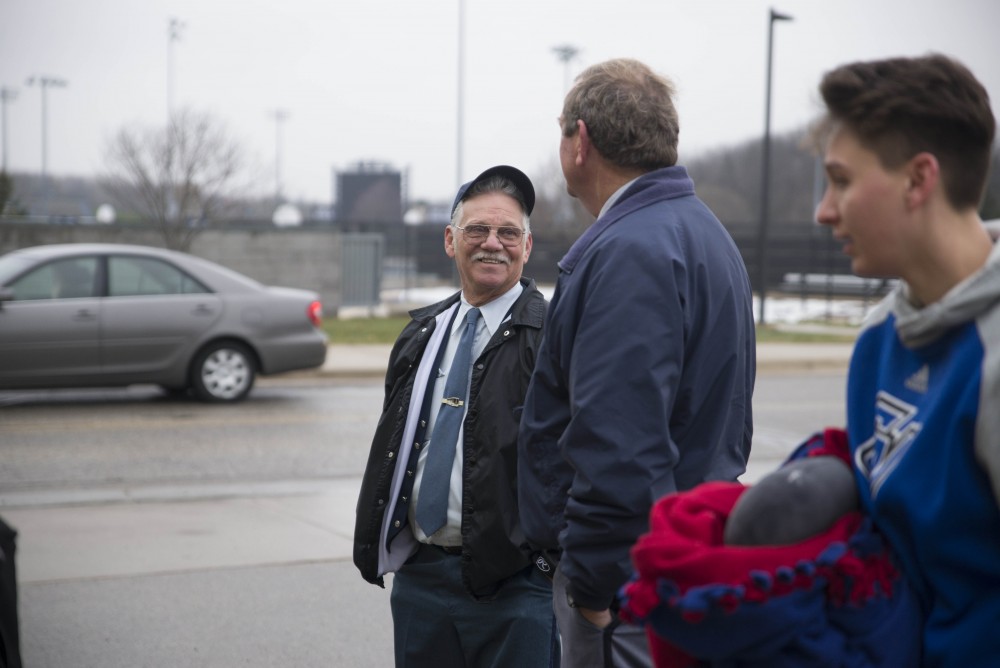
(437, 624)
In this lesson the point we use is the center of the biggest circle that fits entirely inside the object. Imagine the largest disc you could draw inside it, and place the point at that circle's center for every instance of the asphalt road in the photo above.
(295, 428)
(158, 531)
(288, 429)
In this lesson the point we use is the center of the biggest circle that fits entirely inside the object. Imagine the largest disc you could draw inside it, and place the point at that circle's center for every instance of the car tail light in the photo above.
(315, 313)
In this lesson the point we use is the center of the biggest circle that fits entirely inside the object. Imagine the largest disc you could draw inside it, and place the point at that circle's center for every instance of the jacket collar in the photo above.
(656, 186)
(528, 310)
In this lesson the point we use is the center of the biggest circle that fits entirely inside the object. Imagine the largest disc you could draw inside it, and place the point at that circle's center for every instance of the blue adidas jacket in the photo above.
(643, 382)
(923, 395)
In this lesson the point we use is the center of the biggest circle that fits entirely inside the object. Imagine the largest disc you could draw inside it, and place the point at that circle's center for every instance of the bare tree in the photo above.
(177, 177)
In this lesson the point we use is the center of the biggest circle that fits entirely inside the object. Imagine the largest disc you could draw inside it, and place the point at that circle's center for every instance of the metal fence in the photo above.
(803, 259)
(361, 277)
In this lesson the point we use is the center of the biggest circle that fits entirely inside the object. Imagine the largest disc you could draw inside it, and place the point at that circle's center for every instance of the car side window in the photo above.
(71, 278)
(130, 276)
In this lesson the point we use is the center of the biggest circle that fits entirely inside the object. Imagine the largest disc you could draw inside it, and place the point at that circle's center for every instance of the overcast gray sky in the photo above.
(376, 80)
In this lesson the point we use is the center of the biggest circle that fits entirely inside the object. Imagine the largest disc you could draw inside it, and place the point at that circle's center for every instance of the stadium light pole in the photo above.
(6, 95)
(174, 28)
(460, 120)
(44, 83)
(279, 116)
(765, 178)
(566, 53)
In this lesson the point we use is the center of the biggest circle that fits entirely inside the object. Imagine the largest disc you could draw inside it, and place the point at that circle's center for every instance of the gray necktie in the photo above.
(432, 505)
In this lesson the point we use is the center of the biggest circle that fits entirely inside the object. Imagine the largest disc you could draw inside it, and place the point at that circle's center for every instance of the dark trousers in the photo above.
(437, 623)
(587, 646)
(10, 644)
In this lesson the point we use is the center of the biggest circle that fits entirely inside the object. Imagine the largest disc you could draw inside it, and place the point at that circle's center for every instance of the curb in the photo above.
(365, 361)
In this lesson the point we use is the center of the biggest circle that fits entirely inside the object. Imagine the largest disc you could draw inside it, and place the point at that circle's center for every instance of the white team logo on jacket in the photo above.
(895, 429)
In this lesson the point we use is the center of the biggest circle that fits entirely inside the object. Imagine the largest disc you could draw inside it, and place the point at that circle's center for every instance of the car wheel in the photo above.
(223, 372)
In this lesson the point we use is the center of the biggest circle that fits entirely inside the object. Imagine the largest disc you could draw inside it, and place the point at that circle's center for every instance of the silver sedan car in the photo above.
(87, 315)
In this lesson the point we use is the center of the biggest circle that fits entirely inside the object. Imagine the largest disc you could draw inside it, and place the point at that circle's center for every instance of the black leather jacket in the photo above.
(493, 545)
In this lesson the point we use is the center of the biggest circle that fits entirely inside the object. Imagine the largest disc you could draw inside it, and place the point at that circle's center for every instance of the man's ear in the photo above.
(923, 174)
(583, 143)
(449, 241)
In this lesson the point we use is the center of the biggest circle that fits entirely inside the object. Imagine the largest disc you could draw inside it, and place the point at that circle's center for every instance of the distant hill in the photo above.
(729, 181)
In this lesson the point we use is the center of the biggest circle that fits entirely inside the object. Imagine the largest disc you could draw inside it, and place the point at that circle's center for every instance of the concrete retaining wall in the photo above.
(306, 258)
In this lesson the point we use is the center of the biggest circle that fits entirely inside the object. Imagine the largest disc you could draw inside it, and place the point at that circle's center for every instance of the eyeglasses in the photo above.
(508, 236)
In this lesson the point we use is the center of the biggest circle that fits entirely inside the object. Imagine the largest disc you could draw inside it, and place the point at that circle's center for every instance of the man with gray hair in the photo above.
(645, 377)
(438, 502)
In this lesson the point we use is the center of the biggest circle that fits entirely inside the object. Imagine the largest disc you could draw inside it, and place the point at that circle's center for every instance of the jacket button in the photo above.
(479, 366)
(391, 455)
(507, 333)
(396, 524)
(381, 502)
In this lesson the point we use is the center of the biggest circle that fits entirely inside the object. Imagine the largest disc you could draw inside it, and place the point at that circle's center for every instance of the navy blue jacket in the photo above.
(643, 383)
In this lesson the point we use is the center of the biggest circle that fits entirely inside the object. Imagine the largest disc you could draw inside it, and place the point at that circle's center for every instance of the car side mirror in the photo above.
(6, 295)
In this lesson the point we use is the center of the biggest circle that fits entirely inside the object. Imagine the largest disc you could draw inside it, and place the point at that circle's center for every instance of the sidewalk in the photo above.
(219, 575)
(212, 577)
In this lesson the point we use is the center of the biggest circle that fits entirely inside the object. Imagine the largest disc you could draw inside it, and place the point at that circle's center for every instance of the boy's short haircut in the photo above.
(900, 107)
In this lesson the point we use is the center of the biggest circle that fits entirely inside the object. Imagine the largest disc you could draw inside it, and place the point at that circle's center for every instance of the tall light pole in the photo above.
(279, 116)
(6, 95)
(174, 28)
(45, 82)
(765, 178)
(566, 53)
(460, 120)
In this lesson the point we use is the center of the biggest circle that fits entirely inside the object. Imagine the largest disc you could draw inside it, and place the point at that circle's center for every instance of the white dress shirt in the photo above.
(492, 315)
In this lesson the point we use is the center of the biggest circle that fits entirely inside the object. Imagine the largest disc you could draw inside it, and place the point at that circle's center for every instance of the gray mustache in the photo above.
(496, 257)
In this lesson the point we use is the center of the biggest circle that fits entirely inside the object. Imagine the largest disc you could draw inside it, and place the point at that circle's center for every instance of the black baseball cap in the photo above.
(516, 176)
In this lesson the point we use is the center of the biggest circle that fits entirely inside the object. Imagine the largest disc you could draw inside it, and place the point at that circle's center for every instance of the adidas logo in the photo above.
(918, 381)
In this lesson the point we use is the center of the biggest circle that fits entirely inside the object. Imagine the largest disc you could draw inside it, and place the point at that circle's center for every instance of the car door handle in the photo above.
(84, 315)
(201, 309)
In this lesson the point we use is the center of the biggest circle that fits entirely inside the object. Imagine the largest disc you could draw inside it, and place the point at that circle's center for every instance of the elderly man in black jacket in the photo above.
(438, 504)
